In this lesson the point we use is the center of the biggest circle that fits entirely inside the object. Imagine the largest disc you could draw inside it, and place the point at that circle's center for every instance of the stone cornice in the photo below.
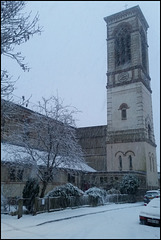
(129, 82)
(134, 11)
(137, 135)
(128, 69)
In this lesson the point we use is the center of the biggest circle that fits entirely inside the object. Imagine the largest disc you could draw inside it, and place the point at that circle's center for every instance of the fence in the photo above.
(49, 204)
(9, 204)
(121, 198)
(58, 203)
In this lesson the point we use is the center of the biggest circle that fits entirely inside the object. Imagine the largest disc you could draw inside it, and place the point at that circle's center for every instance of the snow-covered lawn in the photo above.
(111, 221)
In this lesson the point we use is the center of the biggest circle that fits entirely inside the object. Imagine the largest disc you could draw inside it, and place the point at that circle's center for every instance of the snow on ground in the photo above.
(111, 221)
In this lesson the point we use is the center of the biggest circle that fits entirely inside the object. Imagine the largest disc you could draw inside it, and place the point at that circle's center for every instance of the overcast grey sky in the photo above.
(70, 57)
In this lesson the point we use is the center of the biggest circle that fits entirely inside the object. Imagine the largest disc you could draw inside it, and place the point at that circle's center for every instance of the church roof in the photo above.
(13, 153)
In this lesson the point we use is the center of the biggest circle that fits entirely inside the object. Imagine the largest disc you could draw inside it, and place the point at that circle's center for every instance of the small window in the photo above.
(105, 179)
(123, 114)
(101, 179)
(12, 174)
(123, 107)
(120, 163)
(20, 175)
(71, 178)
(48, 176)
(111, 179)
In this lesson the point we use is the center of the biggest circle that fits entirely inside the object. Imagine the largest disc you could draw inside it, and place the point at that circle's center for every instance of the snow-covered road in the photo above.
(112, 221)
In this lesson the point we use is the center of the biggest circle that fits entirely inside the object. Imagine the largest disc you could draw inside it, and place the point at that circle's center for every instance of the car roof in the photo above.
(152, 191)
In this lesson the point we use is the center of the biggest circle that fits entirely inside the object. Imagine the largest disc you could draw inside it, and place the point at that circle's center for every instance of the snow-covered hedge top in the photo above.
(68, 190)
(65, 190)
(94, 191)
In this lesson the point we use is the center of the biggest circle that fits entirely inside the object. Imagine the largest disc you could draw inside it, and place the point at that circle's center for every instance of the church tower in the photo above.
(130, 133)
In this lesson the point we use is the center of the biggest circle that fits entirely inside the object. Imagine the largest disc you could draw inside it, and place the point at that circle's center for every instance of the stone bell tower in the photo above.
(130, 133)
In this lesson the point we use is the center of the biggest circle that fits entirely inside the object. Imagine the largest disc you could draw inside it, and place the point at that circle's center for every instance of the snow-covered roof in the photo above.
(18, 154)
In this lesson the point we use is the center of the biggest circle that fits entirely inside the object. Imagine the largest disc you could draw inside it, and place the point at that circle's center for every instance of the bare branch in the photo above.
(16, 28)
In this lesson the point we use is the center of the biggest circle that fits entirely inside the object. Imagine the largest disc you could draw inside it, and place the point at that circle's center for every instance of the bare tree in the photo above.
(49, 139)
(16, 28)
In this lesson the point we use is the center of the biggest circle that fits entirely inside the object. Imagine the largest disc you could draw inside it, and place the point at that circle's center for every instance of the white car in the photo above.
(150, 214)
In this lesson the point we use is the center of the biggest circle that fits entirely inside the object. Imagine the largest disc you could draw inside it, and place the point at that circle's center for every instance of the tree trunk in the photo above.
(43, 189)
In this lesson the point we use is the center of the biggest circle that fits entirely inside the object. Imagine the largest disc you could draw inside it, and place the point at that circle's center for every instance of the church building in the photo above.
(127, 143)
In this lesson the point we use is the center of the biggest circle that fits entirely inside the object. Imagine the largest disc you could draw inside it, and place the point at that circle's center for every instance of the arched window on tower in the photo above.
(149, 132)
(130, 162)
(120, 163)
(143, 50)
(150, 164)
(122, 46)
(123, 107)
(152, 159)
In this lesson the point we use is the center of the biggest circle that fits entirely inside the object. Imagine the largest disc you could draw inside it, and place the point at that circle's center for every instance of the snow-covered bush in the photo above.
(66, 193)
(65, 190)
(129, 184)
(97, 195)
(30, 191)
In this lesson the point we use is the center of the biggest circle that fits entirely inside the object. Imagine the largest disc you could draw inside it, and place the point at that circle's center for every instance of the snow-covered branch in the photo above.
(16, 28)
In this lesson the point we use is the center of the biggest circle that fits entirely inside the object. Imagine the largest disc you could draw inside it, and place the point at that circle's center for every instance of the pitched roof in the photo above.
(19, 155)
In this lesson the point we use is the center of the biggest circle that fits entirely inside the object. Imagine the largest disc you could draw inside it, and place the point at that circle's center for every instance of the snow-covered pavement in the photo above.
(111, 221)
